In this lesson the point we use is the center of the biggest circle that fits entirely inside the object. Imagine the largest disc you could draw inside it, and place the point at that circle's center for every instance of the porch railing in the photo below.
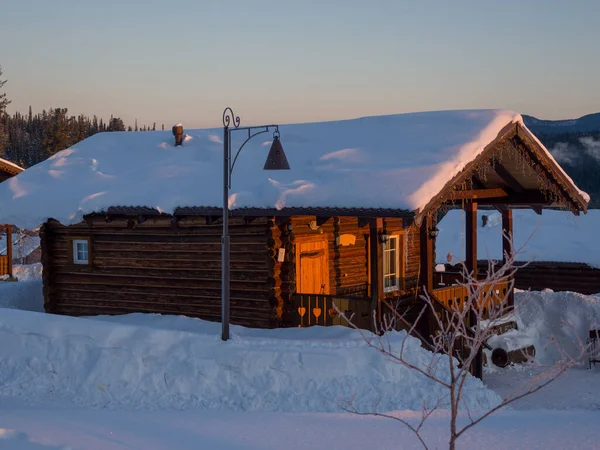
(455, 296)
(4, 269)
(318, 309)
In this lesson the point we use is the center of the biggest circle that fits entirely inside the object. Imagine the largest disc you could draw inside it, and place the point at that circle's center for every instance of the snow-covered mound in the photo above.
(333, 164)
(178, 362)
(26, 296)
(553, 236)
(551, 318)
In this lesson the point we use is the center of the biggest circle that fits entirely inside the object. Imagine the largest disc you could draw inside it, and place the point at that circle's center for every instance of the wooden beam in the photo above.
(525, 198)
(471, 237)
(426, 273)
(507, 246)
(478, 184)
(427, 324)
(507, 177)
(474, 194)
(471, 266)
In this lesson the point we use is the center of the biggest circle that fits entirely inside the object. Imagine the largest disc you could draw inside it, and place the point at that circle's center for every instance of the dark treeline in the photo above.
(31, 138)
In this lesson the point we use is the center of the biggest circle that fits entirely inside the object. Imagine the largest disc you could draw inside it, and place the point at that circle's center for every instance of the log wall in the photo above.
(159, 267)
(349, 265)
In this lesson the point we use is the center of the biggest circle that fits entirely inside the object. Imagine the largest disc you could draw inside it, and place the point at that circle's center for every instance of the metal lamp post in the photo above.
(276, 160)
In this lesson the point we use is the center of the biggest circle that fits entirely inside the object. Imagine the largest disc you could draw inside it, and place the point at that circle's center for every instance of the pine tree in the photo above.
(4, 102)
(58, 135)
(116, 124)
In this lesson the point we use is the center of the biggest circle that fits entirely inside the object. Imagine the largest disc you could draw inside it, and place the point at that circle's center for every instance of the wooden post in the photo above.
(471, 265)
(427, 322)
(471, 238)
(507, 246)
(376, 265)
(9, 255)
(426, 278)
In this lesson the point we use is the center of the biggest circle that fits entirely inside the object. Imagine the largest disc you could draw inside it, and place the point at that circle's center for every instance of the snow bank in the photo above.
(17, 440)
(179, 363)
(553, 236)
(565, 317)
(26, 296)
(333, 164)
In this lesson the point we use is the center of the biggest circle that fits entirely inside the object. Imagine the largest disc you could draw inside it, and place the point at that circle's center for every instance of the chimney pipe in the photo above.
(178, 133)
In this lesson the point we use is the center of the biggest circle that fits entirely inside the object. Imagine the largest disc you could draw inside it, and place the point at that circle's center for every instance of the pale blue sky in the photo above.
(299, 60)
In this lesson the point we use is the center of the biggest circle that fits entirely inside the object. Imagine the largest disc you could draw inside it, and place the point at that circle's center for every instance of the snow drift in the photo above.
(168, 362)
(548, 319)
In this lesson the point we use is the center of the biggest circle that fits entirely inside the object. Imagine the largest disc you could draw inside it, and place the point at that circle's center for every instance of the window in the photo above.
(80, 251)
(391, 264)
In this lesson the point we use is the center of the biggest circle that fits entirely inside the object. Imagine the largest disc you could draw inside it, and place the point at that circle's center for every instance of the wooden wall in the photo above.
(349, 265)
(158, 267)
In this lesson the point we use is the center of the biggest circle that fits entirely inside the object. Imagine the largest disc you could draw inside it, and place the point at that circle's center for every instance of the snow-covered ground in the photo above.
(163, 382)
(553, 236)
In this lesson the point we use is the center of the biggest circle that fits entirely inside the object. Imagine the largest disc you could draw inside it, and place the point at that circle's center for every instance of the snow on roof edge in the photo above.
(10, 163)
(467, 154)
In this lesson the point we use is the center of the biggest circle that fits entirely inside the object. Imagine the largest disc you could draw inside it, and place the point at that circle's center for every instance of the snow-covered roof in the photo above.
(395, 162)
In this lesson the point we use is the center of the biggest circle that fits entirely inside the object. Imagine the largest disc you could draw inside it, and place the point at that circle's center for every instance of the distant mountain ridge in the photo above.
(585, 124)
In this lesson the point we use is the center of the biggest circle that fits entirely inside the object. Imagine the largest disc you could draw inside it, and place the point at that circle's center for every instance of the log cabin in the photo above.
(138, 224)
(7, 170)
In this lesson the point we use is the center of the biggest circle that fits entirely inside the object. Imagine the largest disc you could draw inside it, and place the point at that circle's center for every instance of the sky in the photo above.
(287, 61)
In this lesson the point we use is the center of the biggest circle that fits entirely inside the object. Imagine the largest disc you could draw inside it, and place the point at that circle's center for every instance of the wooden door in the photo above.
(312, 266)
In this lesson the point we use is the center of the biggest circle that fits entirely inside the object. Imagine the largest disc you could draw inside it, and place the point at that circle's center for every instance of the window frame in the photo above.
(74, 258)
(399, 263)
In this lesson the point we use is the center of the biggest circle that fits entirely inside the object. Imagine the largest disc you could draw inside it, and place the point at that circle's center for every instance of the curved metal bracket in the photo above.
(250, 136)
(229, 117)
